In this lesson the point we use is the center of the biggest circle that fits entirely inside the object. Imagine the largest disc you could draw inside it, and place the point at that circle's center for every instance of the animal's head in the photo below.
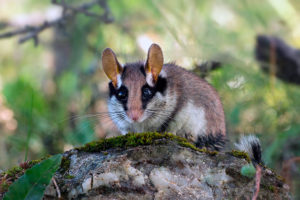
(136, 89)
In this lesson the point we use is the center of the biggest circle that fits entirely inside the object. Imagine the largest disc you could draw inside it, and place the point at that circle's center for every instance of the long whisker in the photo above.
(95, 120)
(158, 113)
(89, 116)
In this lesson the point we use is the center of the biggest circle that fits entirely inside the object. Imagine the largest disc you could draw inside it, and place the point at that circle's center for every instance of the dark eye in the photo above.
(147, 93)
(122, 95)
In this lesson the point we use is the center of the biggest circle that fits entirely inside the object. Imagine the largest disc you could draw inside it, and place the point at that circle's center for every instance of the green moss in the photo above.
(68, 176)
(137, 139)
(271, 188)
(34, 162)
(4, 186)
(278, 177)
(16, 172)
(13, 171)
(241, 154)
(65, 164)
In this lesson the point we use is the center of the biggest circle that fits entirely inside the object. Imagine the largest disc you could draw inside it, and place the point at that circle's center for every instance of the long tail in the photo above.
(251, 145)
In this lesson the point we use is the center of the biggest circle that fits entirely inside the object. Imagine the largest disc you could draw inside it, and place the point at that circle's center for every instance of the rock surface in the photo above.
(165, 169)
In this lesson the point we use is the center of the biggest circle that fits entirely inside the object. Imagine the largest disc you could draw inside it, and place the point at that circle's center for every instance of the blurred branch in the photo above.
(3, 25)
(206, 67)
(69, 12)
(83, 9)
(278, 58)
(287, 168)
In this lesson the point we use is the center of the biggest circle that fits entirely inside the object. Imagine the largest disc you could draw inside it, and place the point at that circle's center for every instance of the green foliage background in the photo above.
(48, 91)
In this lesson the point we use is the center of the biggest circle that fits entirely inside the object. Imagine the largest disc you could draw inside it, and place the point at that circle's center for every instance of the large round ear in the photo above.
(111, 66)
(154, 64)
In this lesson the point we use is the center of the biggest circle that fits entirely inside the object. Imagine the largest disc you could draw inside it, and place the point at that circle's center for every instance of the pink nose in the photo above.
(134, 114)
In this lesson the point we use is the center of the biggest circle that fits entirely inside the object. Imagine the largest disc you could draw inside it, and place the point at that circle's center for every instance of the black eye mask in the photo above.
(149, 92)
(121, 94)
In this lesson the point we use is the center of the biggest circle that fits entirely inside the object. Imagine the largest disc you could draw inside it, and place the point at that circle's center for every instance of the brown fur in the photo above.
(188, 85)
(195, 89)
(190, 106)
(133, 79)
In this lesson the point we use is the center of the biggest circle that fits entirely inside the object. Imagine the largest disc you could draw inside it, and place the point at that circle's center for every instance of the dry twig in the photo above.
(257, 182)
(69, 12)
(57, 188)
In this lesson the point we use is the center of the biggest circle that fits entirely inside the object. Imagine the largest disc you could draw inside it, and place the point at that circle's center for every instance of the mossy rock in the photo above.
(130, 166)
(138, 139)
(240, 154)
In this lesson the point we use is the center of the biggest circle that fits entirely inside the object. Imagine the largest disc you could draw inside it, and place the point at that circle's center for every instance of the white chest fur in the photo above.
(191, 120)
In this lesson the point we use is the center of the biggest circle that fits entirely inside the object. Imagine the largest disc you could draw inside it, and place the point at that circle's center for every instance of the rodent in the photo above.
(153, 96)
